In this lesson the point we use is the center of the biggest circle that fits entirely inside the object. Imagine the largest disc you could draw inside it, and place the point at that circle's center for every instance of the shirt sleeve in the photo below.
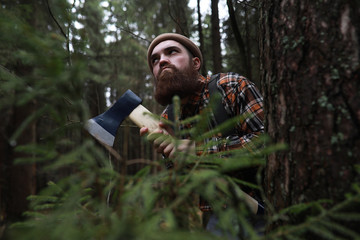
(243, 100)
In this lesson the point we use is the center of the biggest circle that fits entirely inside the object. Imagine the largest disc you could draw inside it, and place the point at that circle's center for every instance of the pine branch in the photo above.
(322, 225)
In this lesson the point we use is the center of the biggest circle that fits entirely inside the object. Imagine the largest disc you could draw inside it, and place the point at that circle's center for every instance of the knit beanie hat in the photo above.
(186, 42)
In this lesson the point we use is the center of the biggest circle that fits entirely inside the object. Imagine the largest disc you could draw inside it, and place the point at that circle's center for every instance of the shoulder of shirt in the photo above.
(230, 78)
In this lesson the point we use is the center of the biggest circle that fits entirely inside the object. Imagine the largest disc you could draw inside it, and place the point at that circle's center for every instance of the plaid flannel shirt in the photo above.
(240, 97)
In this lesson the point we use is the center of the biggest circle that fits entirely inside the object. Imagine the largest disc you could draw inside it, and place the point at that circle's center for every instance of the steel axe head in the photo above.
(104, 126)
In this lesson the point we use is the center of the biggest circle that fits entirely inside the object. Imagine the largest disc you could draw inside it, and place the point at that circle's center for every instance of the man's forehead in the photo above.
(166, 44)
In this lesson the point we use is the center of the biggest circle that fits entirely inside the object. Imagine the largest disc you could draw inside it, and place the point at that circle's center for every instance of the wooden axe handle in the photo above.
(144, 118)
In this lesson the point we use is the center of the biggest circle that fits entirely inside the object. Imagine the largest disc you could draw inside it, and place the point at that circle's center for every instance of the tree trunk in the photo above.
(248, 46)
(201, 38)
(311, 86)
(17, 181)
(215, 35)
(21, 178)
(239, 40)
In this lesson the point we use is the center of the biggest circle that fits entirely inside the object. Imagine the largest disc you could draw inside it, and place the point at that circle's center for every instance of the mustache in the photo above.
(166, 66)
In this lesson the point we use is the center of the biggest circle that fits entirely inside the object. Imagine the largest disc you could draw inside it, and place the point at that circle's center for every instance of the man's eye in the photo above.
(155, 60)
(172, 51)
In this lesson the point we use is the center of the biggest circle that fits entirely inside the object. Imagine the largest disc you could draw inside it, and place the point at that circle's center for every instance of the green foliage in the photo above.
(86, 197)
(98, 202)
(320, 222)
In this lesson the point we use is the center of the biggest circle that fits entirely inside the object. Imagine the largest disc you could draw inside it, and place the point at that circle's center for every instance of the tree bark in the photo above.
(311, 86)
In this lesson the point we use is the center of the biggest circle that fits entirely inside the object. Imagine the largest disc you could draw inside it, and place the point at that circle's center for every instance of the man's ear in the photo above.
(196, 63)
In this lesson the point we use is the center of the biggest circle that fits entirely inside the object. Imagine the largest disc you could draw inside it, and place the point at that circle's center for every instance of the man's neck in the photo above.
(184, 100)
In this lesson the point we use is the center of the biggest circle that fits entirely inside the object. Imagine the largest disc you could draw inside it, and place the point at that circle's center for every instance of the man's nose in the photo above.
(164, 61)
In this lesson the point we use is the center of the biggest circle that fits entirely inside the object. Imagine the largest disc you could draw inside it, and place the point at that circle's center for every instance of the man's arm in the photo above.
(243, 99)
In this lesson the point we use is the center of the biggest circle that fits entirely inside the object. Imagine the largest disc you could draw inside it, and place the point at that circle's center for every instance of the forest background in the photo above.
(63, 62)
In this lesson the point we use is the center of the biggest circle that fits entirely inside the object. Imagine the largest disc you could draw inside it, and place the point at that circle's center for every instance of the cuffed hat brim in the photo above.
(186, 42)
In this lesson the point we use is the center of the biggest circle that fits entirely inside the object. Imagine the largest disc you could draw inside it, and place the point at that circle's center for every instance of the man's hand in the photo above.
(165, 143)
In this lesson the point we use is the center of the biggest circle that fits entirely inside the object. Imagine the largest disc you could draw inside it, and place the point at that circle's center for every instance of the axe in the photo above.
(104, 126)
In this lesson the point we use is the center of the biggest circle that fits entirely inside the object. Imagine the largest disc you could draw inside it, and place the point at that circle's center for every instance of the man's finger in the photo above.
(168, 149)
(143, 131)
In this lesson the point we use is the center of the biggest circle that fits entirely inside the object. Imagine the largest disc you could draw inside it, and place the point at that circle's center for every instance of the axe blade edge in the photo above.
(100, 133)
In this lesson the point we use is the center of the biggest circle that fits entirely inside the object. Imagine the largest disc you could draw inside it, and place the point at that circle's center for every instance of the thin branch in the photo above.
(176, 22)
(133, 34)
(111, 150)
(53, 17)
(129, 31)
(246, 4)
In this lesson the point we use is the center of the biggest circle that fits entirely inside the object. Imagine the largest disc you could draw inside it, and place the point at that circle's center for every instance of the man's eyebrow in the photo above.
(165, 49)
(154, 55)
(171, 47)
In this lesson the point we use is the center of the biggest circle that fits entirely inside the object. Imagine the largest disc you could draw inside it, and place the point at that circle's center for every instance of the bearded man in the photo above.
(175, 61)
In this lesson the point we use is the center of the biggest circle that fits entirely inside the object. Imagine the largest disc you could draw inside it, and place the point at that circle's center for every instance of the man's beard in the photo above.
(171, 82)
